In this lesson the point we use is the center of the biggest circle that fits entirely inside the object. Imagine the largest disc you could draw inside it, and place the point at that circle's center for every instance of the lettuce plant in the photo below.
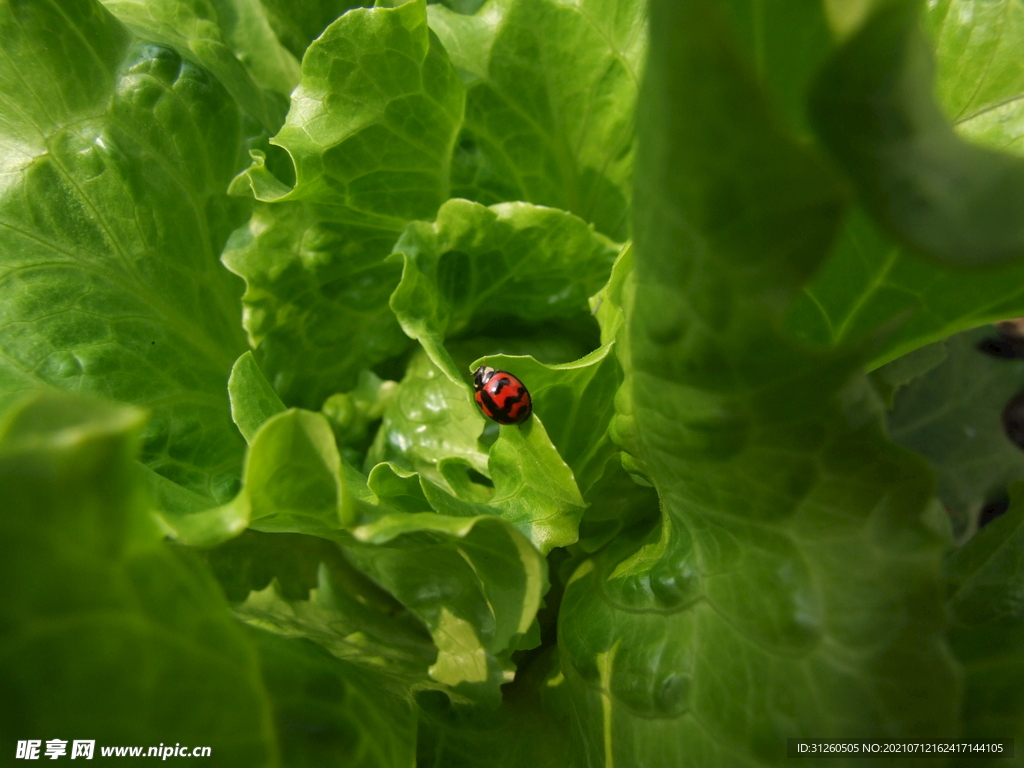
(250, 254)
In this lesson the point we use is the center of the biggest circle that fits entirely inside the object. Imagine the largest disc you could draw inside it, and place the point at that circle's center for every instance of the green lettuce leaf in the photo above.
(478, 265)
(978, 81)
(369, 136)
(617, 499)
(485, 578)
(952, 415)
(433, 428)
(993, 682)
(316, 300)
(375, 79)
(527, 730)
(616, 502)
(432, 418)
(987, 574)
(542, 264)
(301, 586)
(111, 634)
(293, 480)
(795, 564)
(575, 403)
(251, 560)
(786, 44)
(870, 281)
(476, 582)
(330, 713)
(716, 532)
(533, 489)
(935, 192)
(299, 24)
(551, 89)
(253, 400)
(352, 618)
(116, 154)
(230, 38)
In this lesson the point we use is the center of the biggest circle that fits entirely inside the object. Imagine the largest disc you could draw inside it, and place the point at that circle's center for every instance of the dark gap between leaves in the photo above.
(1013, 420)
(992, 510)
(1003, 347)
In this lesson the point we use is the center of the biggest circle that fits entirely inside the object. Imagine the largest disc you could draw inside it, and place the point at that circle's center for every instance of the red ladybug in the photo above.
(501, 396)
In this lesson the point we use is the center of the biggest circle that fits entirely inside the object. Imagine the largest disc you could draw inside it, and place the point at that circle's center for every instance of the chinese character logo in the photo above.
(28, 750)
(82, 749)
(56, 747)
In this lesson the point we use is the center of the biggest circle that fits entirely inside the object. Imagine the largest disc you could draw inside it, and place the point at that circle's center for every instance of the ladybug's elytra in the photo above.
(501, 396)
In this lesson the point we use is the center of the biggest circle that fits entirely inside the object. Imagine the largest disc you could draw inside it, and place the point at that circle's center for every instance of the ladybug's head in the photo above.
(481, 376)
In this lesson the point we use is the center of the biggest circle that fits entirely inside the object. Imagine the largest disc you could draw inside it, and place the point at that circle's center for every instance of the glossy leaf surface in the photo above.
(477, 265)
(112, 214)
(550, 92)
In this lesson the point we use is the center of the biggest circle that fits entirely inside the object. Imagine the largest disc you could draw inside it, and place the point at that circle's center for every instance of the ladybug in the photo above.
(501, 396)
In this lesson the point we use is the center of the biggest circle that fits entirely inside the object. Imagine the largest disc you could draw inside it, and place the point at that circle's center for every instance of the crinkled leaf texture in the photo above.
(701, 544)
(230, 38)
(477, 265)
(433, 428)
(345, 615)
(795, 564)
(372, 122)
(316, 301)
(431, 424)
(369, 135)
(551, 90)
(465, 570)
(115, 157)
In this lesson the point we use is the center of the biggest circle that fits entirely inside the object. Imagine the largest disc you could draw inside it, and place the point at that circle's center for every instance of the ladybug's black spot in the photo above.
(503, 413)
